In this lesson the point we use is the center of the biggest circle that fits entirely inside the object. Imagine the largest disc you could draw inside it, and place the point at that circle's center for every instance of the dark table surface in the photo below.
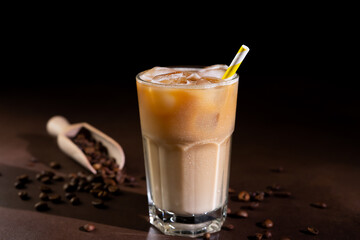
(293, 122)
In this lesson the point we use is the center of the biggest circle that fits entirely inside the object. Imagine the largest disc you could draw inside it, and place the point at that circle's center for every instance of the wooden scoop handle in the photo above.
(57, 125)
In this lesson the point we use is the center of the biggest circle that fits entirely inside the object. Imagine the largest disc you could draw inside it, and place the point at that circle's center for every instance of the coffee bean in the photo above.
(282, 194)
(320, 205)
(285, 238)
(41, 206)
(55, 198)
(43, 196)
(98, 203)
(19, 185)
(268, 193)
(257, 196)
(103, 195)
(69, 187)
(267, 234)
(253, 205)
(58, 178)
(274, 187)
(55, 165)
(46, 180)
(207, 236)
(256, 236)
(45, 189)
(75, 201)
(113, 190)
(69, 195)
(23, 195)
(267, 223)
(231, 190)
(24, 178)
(312, 230)
(228, 210)
(242, 214)
(95, 192)
(47, 173)
(244, 196)
(228, 227)
(87, 227)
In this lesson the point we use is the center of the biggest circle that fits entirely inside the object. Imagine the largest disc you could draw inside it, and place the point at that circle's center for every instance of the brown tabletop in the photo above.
(312, 134)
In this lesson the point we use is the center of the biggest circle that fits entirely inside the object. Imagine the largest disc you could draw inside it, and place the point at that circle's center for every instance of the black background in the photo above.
(299, 55)
(60, 45)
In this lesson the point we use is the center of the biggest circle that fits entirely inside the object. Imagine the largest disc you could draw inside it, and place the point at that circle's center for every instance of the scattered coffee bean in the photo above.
(46, 180)
(45, 189)
(267, 234)
(103, 195)
(228, 210)
(55, 198)
(43, 196)
(98, 203)
(267, 223)
(253, 205)
(228, 227)
(87, 227)
(268, 193)
(256, 236)
(41, 206)
(320, 205)
(231, 190)
(46, 173)
(242, 214)
(285, 238)
(207, 236)
(257, 196)
(19, 185)
(69, 195)
(75, 201)
(55, 165)
(244, 196)
(58, 178)
(274, 187)
(69, 187)
(282, 194)
(312, 230)
(24, 178)
(113, 190)
(23, 195)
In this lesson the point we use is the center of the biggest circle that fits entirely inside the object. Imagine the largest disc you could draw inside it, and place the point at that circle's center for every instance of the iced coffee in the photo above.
(187, 118)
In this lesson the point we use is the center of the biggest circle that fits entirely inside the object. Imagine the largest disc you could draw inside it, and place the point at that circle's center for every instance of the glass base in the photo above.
(190, 226)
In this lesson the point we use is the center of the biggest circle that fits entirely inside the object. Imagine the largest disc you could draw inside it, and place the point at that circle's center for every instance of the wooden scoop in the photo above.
(60, 127)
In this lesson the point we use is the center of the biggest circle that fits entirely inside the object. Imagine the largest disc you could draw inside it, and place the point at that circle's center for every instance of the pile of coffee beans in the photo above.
(98, 156)
(253, 200)
(103, 185)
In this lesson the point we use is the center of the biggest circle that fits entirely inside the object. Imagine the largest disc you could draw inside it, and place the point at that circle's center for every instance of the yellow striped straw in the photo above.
(236, 62)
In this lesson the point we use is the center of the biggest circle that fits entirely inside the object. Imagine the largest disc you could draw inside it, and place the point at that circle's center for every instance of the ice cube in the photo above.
(155, 71)
(214, 73)
(216, 66)
(212, 79)
(202, 81)
(172, 78)
(194, 76)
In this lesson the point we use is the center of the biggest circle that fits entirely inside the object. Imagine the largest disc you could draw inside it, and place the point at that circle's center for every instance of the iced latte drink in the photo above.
(187, 119)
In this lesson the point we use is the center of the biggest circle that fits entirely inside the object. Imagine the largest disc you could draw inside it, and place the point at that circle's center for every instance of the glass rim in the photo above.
(229, 81)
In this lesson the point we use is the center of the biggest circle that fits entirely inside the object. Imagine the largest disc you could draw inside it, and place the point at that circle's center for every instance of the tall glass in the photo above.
(186, 131)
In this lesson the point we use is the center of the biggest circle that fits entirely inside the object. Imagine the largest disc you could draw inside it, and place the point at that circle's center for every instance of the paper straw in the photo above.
(236, 62)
